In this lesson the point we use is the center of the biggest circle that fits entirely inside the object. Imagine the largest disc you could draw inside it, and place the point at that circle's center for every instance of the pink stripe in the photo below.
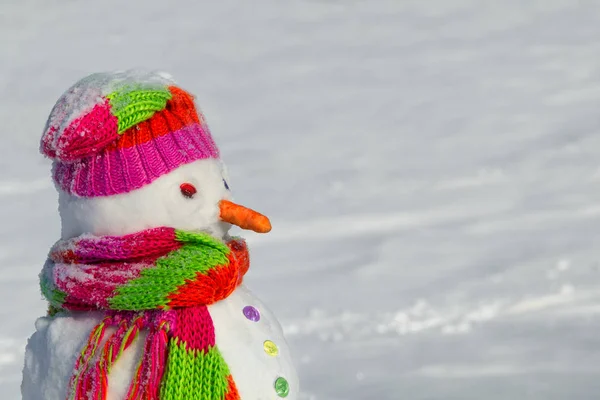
(158, 157)
(149, 244)
(196, 329)
(92, 284)
(75, 271)
(72, 145)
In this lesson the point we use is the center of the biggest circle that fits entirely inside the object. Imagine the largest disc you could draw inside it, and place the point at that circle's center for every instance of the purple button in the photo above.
(251, 313)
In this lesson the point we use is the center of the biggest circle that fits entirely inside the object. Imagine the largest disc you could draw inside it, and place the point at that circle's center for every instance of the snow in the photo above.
(429, 168)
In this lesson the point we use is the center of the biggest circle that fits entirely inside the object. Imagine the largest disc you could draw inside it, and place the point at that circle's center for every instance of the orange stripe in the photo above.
(232, 393)
(179, 113)
(216, 284)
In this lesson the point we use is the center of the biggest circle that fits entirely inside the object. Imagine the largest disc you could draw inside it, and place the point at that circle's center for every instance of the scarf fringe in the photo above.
(78, 384)
(146, 383)
(93, 366)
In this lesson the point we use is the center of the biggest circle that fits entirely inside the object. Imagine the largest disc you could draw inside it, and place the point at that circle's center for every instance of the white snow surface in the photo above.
(431, 169)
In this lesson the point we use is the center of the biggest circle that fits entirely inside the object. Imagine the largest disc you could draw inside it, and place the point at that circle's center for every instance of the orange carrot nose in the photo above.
(244, 217)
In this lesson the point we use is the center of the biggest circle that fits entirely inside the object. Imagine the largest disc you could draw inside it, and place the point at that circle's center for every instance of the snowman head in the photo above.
(131, 152)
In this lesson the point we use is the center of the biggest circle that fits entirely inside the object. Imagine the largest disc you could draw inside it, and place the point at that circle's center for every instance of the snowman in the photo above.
(145, 287)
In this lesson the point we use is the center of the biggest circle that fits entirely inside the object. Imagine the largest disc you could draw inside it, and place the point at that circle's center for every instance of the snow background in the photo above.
(431, 169)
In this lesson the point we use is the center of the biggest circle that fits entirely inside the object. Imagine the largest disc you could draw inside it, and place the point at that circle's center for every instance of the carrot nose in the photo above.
(244, 217)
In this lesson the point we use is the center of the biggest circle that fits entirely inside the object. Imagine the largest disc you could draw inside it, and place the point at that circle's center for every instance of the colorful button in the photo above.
(270, 348)
(251, 313)
(282, 387)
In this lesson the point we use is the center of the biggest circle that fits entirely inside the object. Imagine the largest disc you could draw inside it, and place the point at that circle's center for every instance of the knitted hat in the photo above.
(115, 132)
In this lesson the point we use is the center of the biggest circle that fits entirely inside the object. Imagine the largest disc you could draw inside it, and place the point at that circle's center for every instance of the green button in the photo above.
(282, 387)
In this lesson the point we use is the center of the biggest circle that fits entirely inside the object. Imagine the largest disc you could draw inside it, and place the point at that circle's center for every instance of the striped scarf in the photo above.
(161, 281)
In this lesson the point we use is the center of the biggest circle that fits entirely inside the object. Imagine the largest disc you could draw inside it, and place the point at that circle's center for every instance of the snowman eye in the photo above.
(188, 190)
(226, 185)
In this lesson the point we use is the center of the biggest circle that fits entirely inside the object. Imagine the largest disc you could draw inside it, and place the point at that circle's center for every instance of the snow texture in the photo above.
(430, 168)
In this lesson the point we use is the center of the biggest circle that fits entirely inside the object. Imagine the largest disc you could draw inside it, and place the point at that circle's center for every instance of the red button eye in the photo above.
(188, 190)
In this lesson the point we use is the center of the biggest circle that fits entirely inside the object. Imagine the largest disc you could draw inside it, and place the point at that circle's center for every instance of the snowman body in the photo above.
(247, 334)
(131, 153)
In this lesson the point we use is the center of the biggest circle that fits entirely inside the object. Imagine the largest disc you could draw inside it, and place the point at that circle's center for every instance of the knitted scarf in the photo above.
(159, 281)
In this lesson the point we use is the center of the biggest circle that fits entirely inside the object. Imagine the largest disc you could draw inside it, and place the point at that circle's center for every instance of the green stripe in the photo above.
(200, 239)
(55, 297)
(132, 104)
(200, 253)
(193, 374)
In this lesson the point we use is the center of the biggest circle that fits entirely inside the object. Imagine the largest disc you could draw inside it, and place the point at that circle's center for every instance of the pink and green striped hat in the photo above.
(112, 133)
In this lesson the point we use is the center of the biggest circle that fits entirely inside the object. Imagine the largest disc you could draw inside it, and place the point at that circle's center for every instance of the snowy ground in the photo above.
(431, 169)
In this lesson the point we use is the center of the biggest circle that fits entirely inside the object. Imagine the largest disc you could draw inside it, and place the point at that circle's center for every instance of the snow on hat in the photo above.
(111, 133)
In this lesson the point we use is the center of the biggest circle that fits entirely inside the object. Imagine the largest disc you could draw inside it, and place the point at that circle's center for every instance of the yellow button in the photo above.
(270, 348)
